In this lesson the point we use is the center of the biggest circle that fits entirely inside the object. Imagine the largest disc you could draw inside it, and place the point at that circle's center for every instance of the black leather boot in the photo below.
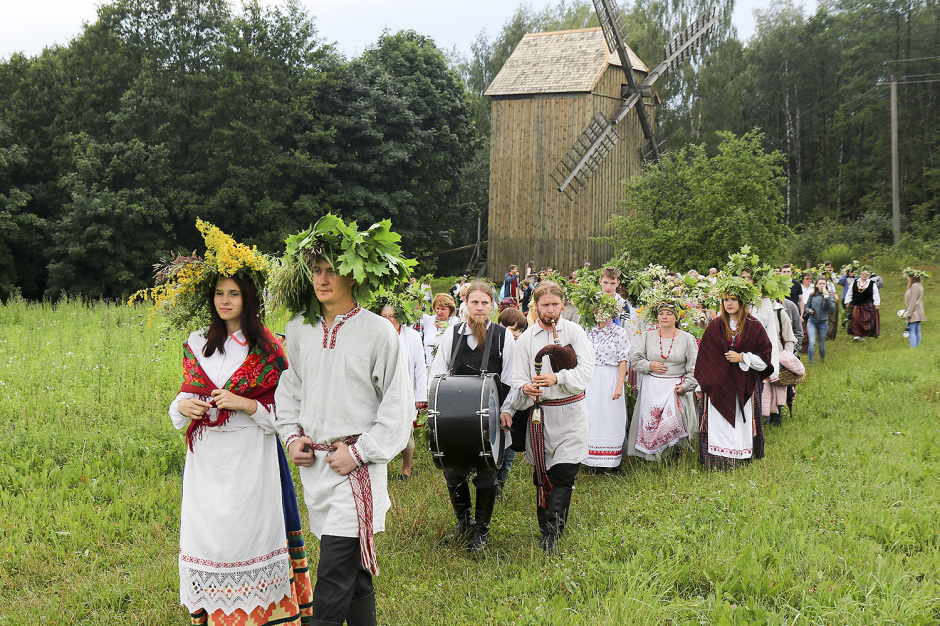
(361, 611)
(542, 515)
(557, 516)
(486, 499)
(463, 509)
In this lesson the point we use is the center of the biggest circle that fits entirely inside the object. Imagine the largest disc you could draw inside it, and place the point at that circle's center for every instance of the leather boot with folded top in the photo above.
(463, 509)
(486, 499)
(556, 518)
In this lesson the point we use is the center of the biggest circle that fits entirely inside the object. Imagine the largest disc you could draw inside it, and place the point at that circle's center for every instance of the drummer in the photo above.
(460, 352)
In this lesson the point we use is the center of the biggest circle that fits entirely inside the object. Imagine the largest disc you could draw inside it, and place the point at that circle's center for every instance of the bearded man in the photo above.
(557, 447)
(460, 352)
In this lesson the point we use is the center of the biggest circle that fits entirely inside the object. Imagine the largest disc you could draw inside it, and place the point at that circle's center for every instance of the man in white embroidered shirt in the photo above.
(557, 446)
(344, 413)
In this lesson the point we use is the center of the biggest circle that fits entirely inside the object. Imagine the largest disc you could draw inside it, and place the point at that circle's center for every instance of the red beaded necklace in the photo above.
(671, 343)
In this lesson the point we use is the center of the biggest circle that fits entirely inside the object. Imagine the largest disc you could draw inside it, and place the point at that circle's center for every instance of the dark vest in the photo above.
(467, 362)
(863, 297)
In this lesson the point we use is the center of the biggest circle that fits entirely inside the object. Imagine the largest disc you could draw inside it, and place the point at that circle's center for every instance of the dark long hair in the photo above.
(252, 319)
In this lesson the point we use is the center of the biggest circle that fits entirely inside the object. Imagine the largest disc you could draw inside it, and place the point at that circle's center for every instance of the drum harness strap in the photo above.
(456, 346)
(361, 484)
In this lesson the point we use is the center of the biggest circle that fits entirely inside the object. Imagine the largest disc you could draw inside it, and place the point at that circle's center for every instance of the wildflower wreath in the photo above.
(182, 286)
(372, 258)
(408, 303)
(768, 282)
(915, 273)
(596, 308)
(729, 285)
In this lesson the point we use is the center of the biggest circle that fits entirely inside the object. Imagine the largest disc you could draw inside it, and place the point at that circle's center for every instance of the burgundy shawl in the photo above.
(723, 381)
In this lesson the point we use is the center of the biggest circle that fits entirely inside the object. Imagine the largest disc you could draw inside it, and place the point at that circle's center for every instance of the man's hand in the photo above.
(297, 453)
(341, 461)
(505, 420)
(545, 380)
(532, 391)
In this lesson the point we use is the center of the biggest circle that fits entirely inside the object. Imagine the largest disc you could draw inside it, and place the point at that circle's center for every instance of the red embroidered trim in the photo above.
(257, 559)
(361, 484)
(563, 401)
(332, 335)
(605, 451)
(712, 449)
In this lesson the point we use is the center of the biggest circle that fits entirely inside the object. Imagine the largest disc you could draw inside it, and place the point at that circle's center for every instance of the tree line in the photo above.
(160, 112)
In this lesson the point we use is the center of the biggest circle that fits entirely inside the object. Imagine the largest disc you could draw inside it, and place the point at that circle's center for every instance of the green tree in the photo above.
(402, 135)
(692, 210)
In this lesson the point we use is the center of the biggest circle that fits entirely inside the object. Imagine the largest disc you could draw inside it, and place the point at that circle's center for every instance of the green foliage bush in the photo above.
(692, 210)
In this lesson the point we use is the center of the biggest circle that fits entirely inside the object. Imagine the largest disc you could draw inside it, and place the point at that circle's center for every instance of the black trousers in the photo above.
(340, 578)
(484, 477)
(560, 474)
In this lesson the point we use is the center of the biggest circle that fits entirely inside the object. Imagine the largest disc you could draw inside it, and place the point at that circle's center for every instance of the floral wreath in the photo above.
(851, 267)
(372, 258)
(595, 307)
(768, 283)
(677, 296)
(408, 303)
(729, 285)
(183, 284)
(915, 273)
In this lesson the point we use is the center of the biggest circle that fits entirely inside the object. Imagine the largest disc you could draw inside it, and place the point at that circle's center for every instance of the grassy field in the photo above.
(838, 525)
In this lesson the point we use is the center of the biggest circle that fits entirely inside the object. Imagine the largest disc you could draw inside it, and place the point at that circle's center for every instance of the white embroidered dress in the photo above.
(607, 417)
(734, 442)
(233, 546)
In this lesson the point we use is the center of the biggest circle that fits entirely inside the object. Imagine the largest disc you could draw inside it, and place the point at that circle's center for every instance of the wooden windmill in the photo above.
(601, 135)
(559, 90)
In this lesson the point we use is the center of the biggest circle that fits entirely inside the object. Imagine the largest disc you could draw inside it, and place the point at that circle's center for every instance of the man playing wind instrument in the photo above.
(560, 441)
(346, 407)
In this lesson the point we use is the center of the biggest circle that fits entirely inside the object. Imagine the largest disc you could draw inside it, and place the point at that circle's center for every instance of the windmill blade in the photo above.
(646, 150)
(585, 155)
(589, 150)
(612, 24)
(682, 46)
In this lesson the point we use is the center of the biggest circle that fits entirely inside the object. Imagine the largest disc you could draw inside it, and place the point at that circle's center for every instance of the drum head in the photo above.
(463, 422)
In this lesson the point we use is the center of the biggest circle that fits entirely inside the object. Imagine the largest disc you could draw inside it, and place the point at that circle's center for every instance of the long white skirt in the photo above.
(733, 442)
(233, 545)
(608, 418)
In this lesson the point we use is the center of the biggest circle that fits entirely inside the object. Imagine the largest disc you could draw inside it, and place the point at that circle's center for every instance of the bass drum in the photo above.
(463, 422)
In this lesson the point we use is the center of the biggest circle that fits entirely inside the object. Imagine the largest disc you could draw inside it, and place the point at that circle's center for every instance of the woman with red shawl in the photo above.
(734, 356)
(242, 559)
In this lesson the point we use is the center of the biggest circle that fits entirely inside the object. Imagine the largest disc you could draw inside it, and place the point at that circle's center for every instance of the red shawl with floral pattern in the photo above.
(256, 379)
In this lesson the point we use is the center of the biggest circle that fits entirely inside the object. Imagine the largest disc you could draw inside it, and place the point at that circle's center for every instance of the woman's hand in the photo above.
(734, 357)
(225, 399)
(699, 395)
(680, 389)
(193, 409)
(618, 391)
(658, 368)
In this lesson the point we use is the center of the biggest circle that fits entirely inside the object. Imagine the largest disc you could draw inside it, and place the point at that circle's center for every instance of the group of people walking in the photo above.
(341, 390)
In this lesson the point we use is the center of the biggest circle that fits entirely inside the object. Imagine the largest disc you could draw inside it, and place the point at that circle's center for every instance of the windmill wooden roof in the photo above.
(558, 62)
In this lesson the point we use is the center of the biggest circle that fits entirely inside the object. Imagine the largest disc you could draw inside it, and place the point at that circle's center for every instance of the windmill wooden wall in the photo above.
(529, 219)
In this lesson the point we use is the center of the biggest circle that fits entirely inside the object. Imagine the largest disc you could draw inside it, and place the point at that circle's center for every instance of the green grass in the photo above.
(837, 525)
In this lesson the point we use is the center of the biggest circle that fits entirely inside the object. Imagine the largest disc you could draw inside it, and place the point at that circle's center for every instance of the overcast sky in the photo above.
(30, 25)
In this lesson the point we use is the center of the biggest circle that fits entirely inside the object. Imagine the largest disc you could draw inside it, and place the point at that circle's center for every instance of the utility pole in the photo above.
(895, 169)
